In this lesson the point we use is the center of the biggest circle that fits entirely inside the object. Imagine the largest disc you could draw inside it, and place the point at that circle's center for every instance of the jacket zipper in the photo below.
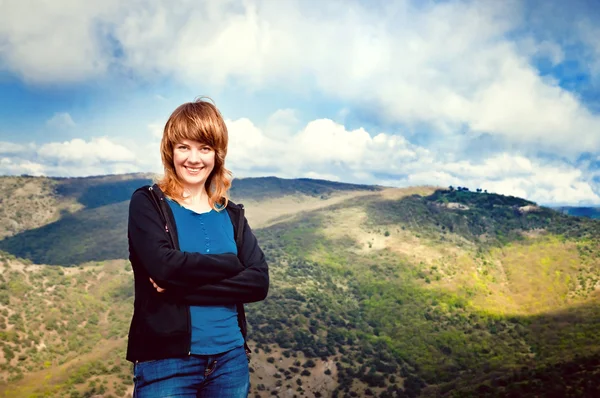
(176, 247)
(240, 227)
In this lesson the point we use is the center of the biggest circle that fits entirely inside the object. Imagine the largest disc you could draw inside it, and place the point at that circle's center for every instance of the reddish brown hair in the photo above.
(199, 121)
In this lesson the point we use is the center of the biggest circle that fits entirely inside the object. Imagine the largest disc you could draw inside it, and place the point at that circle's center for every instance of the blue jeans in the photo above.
(223, 375)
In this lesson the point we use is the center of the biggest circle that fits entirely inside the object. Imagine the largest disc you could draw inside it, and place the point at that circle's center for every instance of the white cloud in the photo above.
(535, 179)
(60, 120)
(590, 32)
(454, 69)
(543, 49)
(10, 166)
(98, 150)
(325, 149)
(156, 129)
(73, 158)
(11, 148)
(449, 65)
(326, 141)
(321, 176)
(77, 157)
(282, 122)
(58, 41)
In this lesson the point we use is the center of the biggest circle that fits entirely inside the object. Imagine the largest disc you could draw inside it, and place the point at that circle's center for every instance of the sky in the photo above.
(497, 95)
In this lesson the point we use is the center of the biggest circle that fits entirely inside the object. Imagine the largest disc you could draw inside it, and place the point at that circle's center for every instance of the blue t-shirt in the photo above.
(215, 328)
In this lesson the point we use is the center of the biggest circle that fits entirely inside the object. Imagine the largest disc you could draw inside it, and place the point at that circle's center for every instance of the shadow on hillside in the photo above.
(565, 359)
(96, 233)
(89, 235)
(93, 194)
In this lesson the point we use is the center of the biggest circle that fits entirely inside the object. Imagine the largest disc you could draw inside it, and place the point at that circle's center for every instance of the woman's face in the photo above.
(193, 161)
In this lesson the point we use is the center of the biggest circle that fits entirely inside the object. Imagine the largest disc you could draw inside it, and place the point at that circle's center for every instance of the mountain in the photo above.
(375, 292)
(591, 212)
(97, 230)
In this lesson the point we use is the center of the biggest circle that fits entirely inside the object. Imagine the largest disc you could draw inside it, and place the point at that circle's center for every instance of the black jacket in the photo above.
(161, 324)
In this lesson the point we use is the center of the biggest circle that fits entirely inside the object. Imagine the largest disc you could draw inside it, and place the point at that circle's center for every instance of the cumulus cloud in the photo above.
(17, 166)
(461, 70)
(98, 150)
(453, 66)
(63, 41)
(77, 157)
(11, 148)
(325, 149)
(282, 122)
(589, 32)
(328, 150)
(156, 129)
(60, 120)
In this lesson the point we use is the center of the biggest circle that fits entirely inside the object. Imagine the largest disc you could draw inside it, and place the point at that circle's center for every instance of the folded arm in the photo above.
(249, 285)
(170, 268)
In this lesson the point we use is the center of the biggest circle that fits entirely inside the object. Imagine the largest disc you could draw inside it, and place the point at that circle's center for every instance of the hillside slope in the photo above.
(95, 227)
(375, 292)
(28, 202)
(508, 292)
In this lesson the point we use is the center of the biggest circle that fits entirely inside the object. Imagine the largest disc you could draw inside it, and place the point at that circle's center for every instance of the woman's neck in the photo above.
(195, 195)
(196, 200)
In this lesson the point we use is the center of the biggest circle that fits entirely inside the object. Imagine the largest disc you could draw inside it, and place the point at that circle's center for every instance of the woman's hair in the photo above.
(199, 121)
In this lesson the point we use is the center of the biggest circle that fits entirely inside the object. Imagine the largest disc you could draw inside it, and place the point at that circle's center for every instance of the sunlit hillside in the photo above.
(375, 292)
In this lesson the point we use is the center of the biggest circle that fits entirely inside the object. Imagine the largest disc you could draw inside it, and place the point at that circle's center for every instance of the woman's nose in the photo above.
(194, 156)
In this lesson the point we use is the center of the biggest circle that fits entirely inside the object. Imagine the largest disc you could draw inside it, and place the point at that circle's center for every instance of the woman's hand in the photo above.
(158, 288)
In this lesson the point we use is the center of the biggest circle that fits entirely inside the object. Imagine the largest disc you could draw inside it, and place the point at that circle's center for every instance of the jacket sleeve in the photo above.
(250, 285)
(170, 268)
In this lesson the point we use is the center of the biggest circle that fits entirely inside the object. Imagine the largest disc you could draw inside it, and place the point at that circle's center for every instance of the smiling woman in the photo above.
(196, 262)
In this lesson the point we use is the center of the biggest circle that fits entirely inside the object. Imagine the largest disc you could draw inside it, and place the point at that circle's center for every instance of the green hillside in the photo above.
(95, 234)
(454, 317)
(391, 292)
(98, 230)
(63, 329)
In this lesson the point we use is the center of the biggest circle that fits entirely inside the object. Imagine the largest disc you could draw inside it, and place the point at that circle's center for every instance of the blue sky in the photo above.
(499, 95)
